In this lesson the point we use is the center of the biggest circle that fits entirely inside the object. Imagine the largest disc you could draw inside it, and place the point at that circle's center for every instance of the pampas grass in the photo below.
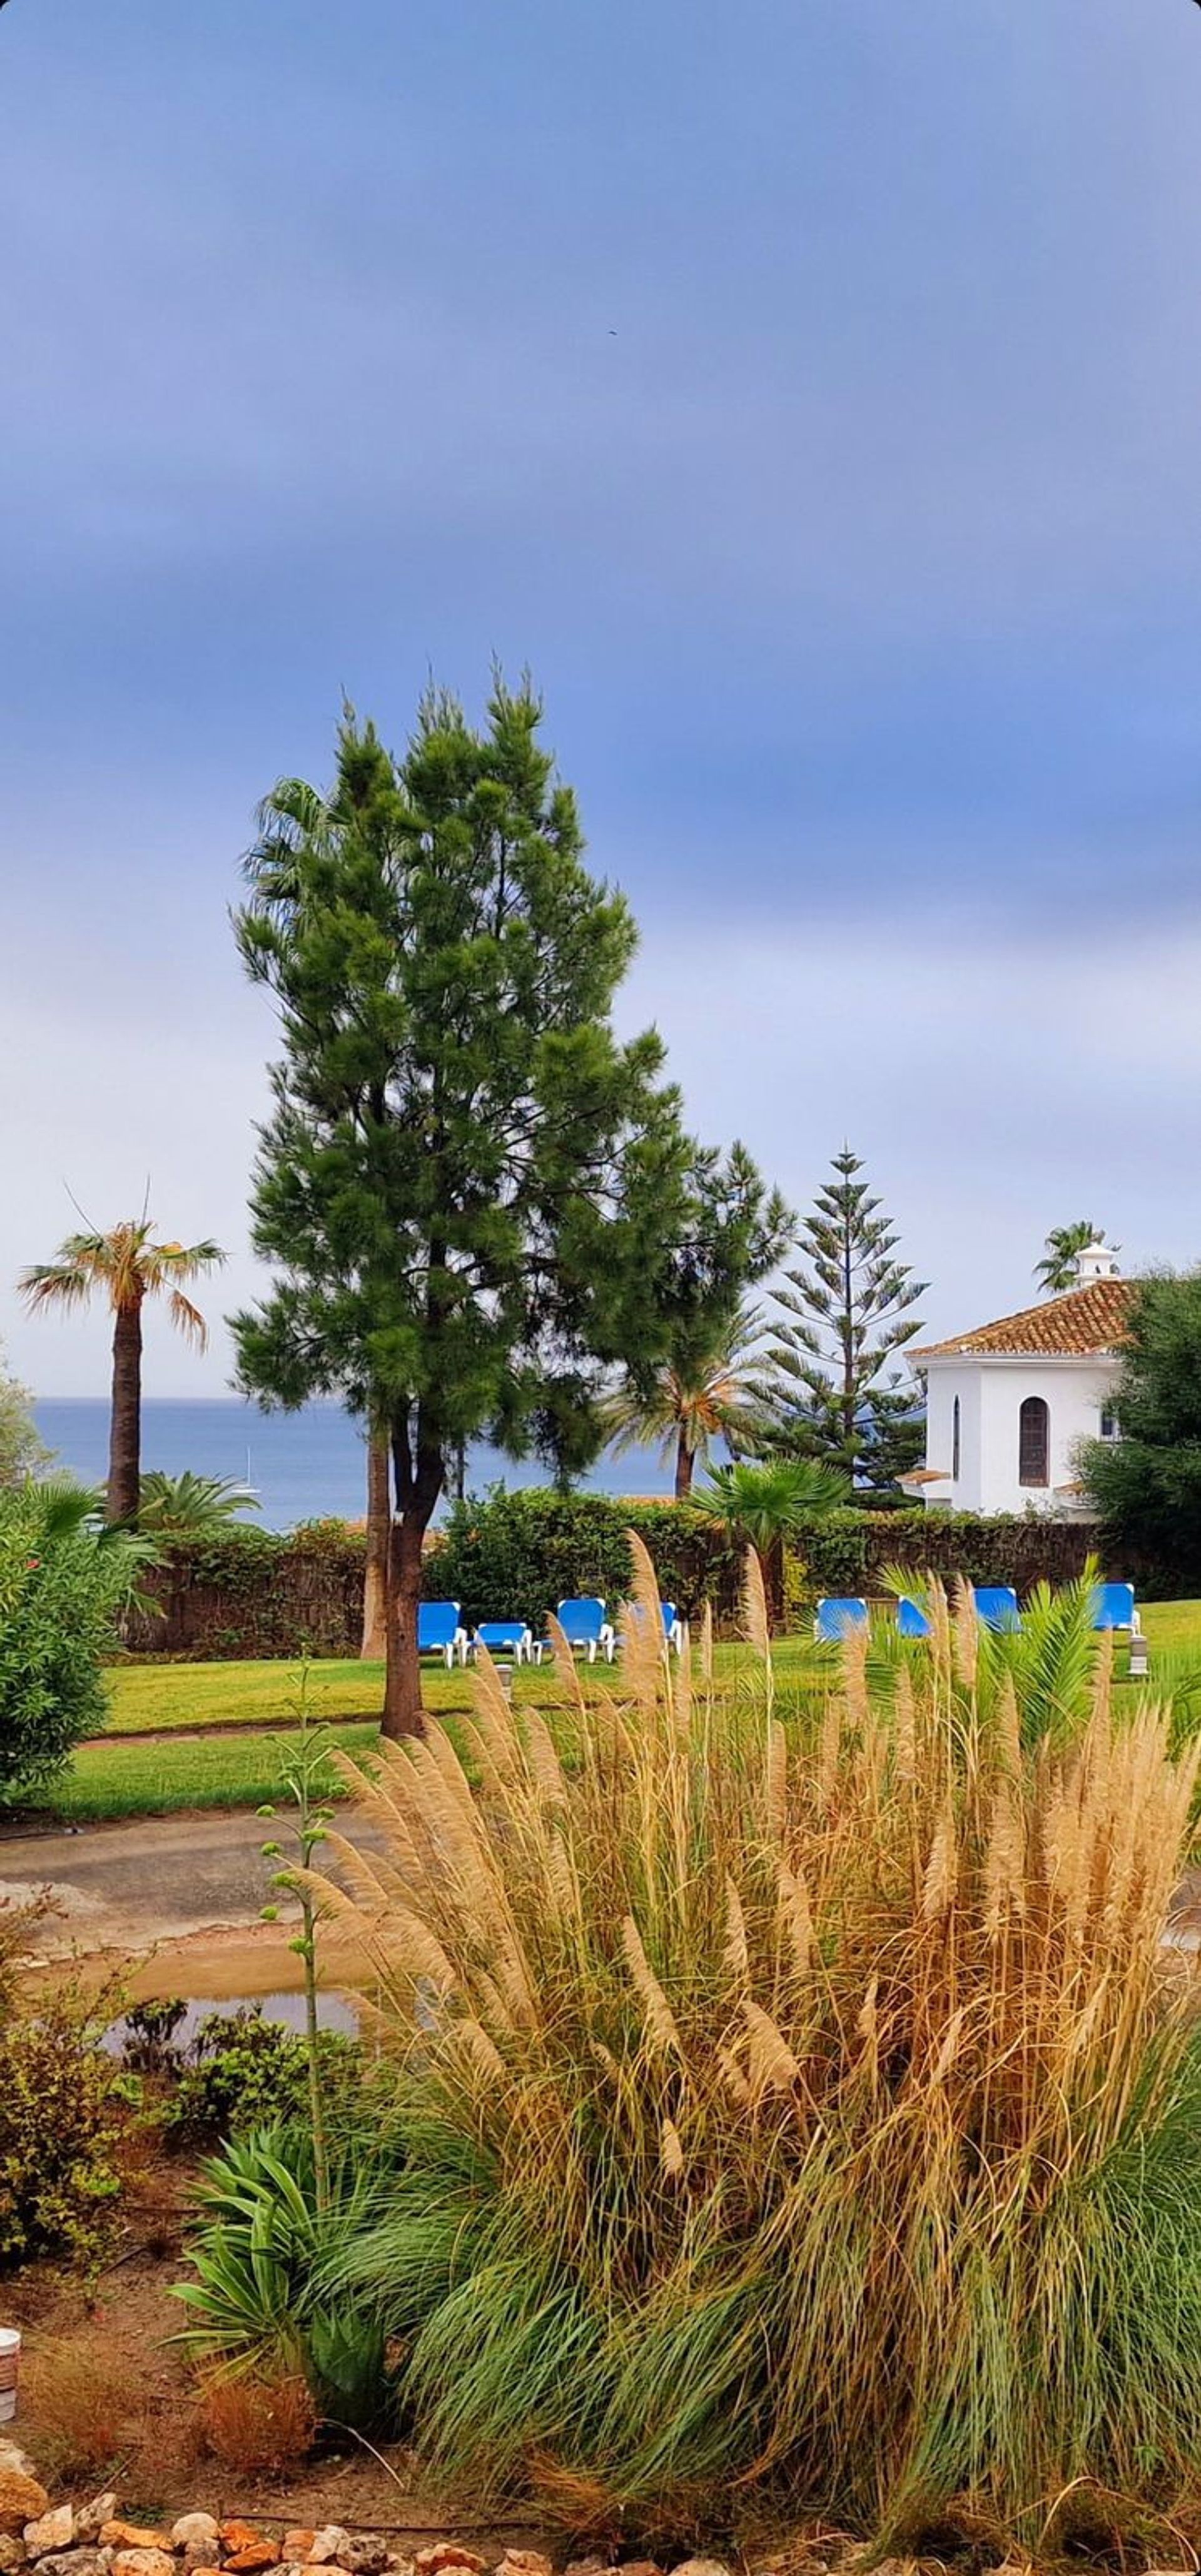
(812, 2103)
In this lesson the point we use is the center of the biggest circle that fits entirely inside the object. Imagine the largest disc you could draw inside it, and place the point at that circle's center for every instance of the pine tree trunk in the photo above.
(374, 1645)
(125, 1424)
(683, 1468)
(404, 1713)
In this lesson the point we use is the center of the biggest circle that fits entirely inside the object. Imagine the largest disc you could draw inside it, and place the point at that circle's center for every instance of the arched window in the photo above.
(1034, 1442)
(955, 1442)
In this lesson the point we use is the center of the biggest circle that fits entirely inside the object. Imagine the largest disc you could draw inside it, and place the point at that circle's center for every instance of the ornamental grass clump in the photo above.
(809, 2102)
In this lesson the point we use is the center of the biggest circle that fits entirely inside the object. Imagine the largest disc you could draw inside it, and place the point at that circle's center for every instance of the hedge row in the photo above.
(251, 1592)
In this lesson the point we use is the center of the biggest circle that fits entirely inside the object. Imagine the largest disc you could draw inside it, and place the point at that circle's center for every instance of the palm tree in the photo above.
(189, 1506)
(705, 1391)
(126, 1266)
(1056, 1272)
(762, 1506)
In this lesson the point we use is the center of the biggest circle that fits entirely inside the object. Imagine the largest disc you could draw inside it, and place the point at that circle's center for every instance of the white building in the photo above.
(1008, 1404)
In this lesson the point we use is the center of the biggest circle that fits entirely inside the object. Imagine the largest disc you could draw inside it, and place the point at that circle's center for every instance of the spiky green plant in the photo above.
(806, 2102)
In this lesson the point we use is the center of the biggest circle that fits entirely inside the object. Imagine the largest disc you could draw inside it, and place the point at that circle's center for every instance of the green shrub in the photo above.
(260, 2255)
(64, 2111)
(803, 2101)
(63, 1585)
(514, 1555)
(243, 2071)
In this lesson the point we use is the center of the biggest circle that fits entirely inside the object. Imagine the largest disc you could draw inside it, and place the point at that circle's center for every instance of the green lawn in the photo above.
(110, 1779)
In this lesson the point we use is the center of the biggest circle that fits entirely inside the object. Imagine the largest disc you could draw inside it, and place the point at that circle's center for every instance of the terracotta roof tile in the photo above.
(1072, 1327)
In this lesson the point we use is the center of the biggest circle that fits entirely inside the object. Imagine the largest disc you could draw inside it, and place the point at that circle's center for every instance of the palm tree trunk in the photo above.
(684, 1465)
(125, 1424)
(374, 1645)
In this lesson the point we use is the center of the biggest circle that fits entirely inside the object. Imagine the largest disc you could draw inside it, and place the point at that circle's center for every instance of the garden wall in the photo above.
(249, 1592)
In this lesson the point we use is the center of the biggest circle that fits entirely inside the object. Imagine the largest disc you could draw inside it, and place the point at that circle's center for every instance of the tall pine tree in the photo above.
(474, 1193)
(843, 1318)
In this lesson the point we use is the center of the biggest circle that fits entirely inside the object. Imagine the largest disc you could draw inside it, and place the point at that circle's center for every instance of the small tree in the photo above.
(124, 1267)
(844, 1318)
(473, 1190)
(63, 1586)
(760, 1506)
(1056, 1272)
(21, 1450)
(1146, 1485)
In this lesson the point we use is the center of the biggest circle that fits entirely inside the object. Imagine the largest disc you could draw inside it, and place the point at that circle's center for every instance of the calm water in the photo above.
(302, 1466)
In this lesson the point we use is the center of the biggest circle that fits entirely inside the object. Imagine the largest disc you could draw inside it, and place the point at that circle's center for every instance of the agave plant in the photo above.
(258, 2254)
(812, 2103)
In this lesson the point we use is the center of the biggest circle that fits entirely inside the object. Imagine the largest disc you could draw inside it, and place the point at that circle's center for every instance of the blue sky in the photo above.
(810, 394)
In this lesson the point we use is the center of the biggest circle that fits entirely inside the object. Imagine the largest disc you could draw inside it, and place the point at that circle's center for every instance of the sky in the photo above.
(808, 393)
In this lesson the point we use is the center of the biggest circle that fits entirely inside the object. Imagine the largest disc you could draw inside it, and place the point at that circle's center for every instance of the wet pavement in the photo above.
(155, 1879)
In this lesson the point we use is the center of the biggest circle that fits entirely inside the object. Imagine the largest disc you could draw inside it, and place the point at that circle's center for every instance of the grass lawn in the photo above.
(108, 1780)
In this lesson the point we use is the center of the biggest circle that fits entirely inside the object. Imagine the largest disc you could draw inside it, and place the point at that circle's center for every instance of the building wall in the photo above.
(991, 1392)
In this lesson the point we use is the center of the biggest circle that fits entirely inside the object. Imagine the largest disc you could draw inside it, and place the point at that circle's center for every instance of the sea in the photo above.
(304, 1466)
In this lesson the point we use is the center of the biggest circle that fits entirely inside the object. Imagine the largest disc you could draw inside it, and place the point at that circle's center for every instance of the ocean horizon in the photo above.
(304, 1466)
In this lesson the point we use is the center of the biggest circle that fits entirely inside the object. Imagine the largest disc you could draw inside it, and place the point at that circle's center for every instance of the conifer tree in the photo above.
(475, 1194)
(843, 1318)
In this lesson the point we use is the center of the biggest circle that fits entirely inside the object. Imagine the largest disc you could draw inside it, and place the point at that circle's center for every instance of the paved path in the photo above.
(157, 1878)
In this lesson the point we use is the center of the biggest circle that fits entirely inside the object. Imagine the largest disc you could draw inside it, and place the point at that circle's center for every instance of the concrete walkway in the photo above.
(155, 1879)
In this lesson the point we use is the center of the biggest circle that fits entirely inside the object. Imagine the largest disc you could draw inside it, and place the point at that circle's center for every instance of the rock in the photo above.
(298, 2547)
(701, 2567)
(525, 2562)
(238, 2534)
(13, 2457)
(50, 2531)
(328, 2543)
(22, 2499)
(448, 2553)
(589, 2567)
(256, 2554)
(143, 2562)
(194, 2527)
(133, 2535)
(364, 2554)
(91, 2518)
(13, 2552)
(75, 2562)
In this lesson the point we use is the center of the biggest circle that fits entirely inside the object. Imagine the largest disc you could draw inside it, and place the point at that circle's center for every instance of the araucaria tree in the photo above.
(125, 1267)
(844, 1318)
(473, 1190)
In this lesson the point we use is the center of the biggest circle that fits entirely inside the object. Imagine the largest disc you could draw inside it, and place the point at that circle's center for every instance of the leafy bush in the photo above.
(243, 2071)
(64, 2110)
(810, 2101)
(63, 1585)
(258, 2303)
(515, 1555)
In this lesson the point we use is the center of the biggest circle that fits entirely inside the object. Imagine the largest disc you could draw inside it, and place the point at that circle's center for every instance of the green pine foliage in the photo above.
(475, 1195)
(843, 1318)
(1146, 1485)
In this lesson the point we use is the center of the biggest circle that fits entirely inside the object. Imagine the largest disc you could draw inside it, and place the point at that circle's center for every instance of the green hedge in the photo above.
(253, 1592)
(514, 1555)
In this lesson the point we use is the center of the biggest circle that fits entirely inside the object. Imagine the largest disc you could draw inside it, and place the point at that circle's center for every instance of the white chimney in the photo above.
(1096, 1262)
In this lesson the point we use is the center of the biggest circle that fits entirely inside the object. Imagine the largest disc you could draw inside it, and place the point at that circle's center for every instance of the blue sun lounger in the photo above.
(1113, 1607)
(507, 1637)
(586, 1628)
(836, 1619)
(439, 1632)
(997, 1605)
